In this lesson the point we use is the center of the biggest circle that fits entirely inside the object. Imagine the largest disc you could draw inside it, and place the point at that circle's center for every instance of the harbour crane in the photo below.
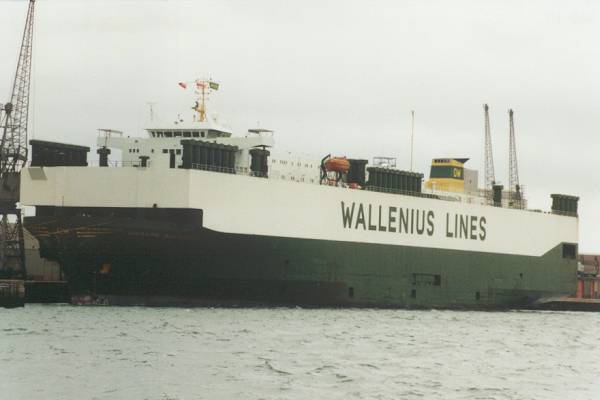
(515, 195)
(13, 156)
(490, 177)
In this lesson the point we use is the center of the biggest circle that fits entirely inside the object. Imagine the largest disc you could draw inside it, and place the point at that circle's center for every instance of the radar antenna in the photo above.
(490, 178)
(13, 156)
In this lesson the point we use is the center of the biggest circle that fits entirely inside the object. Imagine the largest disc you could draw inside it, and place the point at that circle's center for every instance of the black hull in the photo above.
(166, 257)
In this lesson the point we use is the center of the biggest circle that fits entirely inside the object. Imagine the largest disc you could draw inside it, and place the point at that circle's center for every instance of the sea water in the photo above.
(70, 352)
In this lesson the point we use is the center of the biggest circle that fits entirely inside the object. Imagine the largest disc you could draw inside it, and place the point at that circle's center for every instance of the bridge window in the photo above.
(195, 134)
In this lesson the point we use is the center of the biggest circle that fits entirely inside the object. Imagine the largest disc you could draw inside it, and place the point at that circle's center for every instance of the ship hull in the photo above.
(164, 257)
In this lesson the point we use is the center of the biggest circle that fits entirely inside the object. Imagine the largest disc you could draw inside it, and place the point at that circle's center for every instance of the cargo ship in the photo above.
(192, 214)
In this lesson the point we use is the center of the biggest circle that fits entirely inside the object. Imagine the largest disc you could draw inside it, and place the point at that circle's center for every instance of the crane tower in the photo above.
(514, 188)
(13, 156)
(490, 178)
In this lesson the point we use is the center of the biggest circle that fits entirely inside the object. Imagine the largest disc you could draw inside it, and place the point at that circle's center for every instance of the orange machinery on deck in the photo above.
(337, 164)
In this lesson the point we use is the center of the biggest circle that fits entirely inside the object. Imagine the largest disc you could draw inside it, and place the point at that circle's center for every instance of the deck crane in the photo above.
(490, 178)
(515, 195)
(13, 156)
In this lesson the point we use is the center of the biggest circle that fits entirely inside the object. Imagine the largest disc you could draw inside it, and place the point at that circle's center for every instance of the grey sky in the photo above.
(335, 77)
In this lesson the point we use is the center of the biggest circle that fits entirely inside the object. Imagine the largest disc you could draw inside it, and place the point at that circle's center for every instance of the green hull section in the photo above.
(141, 261)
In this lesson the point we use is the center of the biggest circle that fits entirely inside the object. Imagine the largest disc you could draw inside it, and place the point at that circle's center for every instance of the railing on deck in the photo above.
(236, 170)
(120, 164)
(412, 193)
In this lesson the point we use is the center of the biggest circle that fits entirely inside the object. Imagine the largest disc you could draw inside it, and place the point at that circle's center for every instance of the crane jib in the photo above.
(13, 156)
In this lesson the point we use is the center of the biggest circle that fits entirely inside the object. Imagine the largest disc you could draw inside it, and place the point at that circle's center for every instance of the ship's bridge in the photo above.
(209, 129)
(162, 145)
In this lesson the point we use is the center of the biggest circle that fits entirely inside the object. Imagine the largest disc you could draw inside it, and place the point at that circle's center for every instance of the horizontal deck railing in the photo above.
(119, 164)
(236, 170)
(410, 193)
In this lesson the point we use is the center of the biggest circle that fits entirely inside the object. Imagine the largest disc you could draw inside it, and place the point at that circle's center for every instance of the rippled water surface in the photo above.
(67, 352)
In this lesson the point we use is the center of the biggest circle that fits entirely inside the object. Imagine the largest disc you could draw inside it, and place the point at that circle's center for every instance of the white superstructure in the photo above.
(163, 141)
(161, 146)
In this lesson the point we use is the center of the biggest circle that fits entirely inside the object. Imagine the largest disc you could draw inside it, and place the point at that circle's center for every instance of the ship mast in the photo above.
(204, 88)
(13, 156)
(201, 106)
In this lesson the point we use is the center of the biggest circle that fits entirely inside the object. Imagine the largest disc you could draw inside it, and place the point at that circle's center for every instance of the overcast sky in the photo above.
(335, 77)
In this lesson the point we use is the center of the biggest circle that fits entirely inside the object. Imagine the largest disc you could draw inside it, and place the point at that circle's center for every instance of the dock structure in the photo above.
(568, 304)
(17, 292)
(38, 268)
(588, 276)
(43, 284)
(12, 293)
(587, 297)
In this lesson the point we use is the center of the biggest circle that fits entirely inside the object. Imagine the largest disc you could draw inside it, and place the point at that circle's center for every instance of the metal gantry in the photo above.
(13, 156)
(490, 176)
(515, 195)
